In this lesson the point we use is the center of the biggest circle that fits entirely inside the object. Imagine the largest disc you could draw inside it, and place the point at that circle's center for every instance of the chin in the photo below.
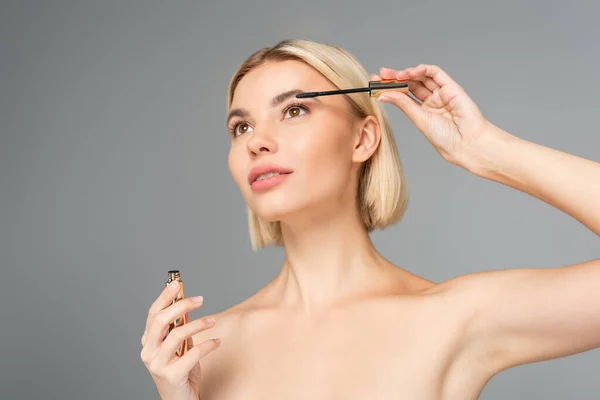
(276, 208)
(271, 213)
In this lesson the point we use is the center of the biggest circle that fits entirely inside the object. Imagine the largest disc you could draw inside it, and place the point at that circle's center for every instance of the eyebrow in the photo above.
(275, 101)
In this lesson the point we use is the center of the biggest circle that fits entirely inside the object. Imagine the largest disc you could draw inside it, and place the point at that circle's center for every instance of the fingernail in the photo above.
(197, 299)
(384, 99)
(173, 286)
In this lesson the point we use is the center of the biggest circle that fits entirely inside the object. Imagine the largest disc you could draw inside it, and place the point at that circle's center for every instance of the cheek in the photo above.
(329, 146)
(324, 157)
(236, 167)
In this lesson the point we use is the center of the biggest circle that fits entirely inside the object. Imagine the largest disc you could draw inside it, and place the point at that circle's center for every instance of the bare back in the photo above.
(404, 345)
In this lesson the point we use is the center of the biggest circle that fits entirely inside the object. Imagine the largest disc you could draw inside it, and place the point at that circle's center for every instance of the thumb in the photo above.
(408, 105)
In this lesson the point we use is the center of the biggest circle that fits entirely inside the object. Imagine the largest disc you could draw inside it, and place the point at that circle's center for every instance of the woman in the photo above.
(340, 321)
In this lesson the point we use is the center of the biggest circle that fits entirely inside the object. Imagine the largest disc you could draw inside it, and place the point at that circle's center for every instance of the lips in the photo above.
(268, 183)
(265, 169)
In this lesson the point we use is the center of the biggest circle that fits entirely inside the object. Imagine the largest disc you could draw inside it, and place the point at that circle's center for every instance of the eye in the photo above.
(296, 106)
(299, 106)
(234, 132)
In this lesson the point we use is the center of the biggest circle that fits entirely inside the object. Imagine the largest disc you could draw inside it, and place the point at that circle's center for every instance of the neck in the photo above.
(329, 259)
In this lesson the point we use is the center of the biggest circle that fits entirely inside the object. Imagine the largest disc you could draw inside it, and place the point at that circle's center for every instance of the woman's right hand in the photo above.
(176, 378)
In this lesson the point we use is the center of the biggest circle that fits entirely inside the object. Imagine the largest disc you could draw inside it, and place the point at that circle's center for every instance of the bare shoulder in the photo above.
(226, 322)
(465, 289)
(463, 293)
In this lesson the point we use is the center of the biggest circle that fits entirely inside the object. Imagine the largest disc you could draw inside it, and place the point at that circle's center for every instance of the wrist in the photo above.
(488, 156)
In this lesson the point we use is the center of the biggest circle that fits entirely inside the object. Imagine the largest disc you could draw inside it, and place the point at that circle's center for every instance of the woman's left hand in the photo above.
(448, 118)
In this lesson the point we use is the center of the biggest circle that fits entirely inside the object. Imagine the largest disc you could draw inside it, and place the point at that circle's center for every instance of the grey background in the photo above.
(113, 167)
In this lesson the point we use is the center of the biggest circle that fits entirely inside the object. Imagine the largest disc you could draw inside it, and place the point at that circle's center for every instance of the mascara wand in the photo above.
(375, 88)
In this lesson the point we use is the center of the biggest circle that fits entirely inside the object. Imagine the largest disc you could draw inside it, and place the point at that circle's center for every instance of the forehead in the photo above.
(274, 77)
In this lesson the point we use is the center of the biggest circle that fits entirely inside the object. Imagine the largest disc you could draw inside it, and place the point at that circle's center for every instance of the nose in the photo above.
(261, 142)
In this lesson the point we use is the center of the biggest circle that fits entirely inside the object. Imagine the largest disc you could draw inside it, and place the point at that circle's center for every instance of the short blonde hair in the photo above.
(382, 192)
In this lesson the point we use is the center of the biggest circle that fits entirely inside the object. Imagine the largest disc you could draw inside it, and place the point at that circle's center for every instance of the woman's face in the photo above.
(312, 139)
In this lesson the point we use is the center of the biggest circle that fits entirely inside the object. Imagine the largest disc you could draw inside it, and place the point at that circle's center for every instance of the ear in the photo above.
(368, 136)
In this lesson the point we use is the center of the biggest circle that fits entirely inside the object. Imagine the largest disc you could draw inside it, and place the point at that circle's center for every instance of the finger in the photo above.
(164, 300)
(190, 341)
(375, 77)
(190, 359)
(418, 89)
(428, 83)
(439, 76)
(159, 328)
(409, 106)
(169, 347)
(387, 73)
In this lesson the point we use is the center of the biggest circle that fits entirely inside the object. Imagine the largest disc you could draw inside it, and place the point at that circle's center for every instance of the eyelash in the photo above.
(285, 110)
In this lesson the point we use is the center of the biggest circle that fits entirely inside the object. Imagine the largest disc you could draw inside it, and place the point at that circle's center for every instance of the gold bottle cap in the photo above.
(173, 275)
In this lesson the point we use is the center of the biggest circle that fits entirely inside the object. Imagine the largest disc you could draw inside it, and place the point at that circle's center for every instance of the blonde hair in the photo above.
(382, 192)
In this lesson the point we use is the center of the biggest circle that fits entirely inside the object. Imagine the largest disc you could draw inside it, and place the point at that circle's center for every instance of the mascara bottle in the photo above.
(174, 275)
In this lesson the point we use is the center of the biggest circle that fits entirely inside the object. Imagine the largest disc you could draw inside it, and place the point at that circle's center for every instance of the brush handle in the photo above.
(375, 88)
(384, 85)
(331, 92)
